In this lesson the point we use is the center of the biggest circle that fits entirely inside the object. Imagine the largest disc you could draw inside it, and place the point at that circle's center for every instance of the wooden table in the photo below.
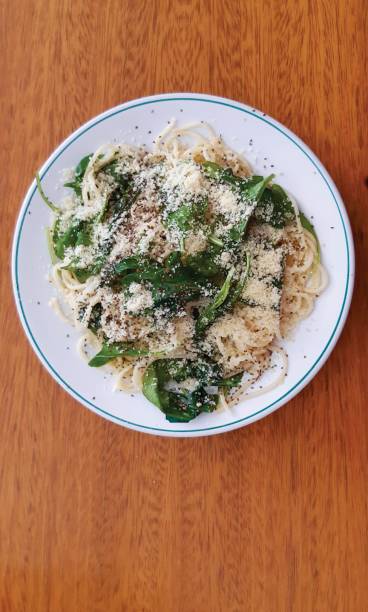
(272, 517)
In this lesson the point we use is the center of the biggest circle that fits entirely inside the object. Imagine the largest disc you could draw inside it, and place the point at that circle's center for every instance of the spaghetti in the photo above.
(183, 268)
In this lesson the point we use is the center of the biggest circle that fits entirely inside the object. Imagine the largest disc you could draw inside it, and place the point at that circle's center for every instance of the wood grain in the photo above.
(272, 517)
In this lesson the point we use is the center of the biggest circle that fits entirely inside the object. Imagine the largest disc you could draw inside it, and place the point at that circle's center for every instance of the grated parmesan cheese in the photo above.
(140, 299)
(161, 185)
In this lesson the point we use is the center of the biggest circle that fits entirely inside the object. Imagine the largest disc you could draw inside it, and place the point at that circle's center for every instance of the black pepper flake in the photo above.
(29, 212)
(38, 303)
(135, 127)
(263, 114)
(152, 111)
(332, 227)
(272, 165)
(94, 397)
(181, 110)
(150, 131)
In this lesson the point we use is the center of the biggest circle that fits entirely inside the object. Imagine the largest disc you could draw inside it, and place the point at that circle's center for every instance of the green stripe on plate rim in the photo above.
(75, 393)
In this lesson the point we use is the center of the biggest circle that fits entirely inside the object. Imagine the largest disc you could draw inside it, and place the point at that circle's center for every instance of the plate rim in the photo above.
(349, 244)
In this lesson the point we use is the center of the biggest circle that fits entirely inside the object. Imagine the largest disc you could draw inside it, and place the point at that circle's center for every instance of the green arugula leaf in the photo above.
(236, 292)
(169, 286)
(215, 240)
(81, 167)
(219, 173)
(250, 187)
(275, 207)
(112, 170)
(119, 200)
(50, 245)
(310, 228)
(180, 406)
(228, 383)
(83, 274)
(185, 218)
(209, 314)
(94, 322)
(79, 173)
(78, 233)
(48, 202)
(152, 387)
(226, 298)
(253, 187)
(175, 294)
(204, 263)
(114, 350)
(250, 190)
(134, 262)
(173, 260)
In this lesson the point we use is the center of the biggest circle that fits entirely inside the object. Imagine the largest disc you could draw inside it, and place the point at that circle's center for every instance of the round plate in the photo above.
(270, 147)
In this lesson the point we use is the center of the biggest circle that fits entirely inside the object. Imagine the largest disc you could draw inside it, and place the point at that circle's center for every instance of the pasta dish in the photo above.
(182, 268)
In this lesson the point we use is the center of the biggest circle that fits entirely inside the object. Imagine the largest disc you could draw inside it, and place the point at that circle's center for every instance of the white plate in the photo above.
(270, 147)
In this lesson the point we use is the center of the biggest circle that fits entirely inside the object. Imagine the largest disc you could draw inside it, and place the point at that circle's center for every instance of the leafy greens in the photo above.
(79, 173)
(181, 403)
(114, 350)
